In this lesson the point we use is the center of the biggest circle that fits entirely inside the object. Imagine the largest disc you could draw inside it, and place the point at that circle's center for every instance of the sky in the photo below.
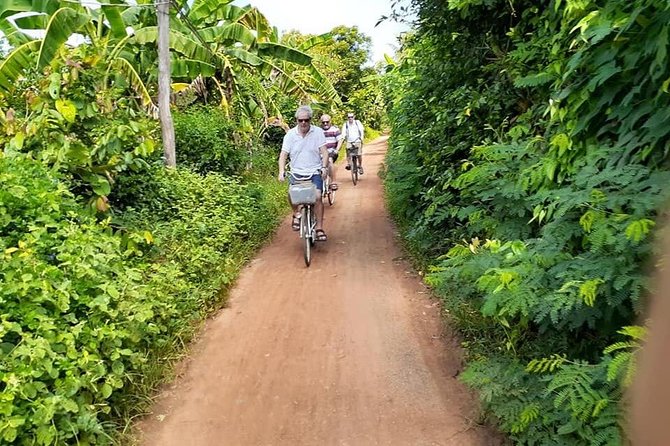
(317, 17)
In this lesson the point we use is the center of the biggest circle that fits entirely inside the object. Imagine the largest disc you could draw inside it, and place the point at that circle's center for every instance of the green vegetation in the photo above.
(342, 58)
(109, 262)
(527, 170)
(528, 166)
(207, 127)
(90, 307)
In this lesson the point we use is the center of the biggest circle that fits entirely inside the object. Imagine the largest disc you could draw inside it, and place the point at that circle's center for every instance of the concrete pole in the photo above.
(167, 127)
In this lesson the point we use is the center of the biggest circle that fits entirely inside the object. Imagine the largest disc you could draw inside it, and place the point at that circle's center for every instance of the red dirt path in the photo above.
(350, 351)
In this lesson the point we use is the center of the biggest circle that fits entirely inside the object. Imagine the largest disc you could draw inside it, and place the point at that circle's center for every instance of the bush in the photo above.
(76, 318)
(91, 309)
(71, 123)
(208, 224)
(205, 141)
(531, 180)
(274, 136)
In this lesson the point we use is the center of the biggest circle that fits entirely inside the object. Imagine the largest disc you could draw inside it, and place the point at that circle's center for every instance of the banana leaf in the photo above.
(188, 68)
(62, 25)
(214, 11)
(178, 42)
(14, 65)
(11, 7)
(285, 53)
(233, 32)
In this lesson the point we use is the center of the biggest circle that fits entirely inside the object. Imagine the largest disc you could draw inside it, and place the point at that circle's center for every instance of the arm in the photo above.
(282, 165)
(650, 392)
(340, 138)
(324, 155)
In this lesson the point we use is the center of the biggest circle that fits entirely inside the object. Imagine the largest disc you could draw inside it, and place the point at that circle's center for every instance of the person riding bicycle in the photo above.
(333, 143)
(353, 132)
(305, 145)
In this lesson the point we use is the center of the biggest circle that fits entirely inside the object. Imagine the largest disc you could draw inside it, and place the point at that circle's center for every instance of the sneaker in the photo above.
(360, 171)
(348, 167)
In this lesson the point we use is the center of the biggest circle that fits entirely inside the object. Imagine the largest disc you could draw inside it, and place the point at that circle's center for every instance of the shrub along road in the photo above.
(350, 351)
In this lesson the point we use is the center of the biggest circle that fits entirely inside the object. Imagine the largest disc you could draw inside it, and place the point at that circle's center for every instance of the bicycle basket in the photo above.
(354, 146)
(302, 193)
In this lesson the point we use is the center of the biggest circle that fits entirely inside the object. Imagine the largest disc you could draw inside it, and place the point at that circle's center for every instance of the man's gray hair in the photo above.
(304, 109)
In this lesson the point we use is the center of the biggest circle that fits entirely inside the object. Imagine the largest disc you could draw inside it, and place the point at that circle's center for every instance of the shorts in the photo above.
(334, 155)
(316, 179)
(355, 148)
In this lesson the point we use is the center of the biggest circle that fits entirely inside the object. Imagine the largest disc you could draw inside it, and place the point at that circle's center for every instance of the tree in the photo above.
(211, 38)
(341, 58)
(237, 49)
(105, 29)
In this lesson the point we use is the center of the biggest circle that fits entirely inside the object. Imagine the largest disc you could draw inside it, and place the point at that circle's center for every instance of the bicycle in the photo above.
(303, 193)
(327, 192)
(354, 153)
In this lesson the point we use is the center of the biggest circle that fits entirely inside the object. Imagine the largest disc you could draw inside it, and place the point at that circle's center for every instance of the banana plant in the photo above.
(60, 26)
(209, 38)
(38, 30)
(234, 46)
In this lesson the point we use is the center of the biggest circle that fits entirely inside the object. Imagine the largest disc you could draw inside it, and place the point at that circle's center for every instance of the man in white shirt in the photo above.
(353, 132)
(305, 146)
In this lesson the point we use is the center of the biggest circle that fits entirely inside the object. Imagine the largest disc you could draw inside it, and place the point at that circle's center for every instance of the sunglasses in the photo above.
(325, 122)
(304, 120)
(350, 116)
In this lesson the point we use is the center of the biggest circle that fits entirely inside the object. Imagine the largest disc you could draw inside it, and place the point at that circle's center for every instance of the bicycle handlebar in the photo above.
(299, 177)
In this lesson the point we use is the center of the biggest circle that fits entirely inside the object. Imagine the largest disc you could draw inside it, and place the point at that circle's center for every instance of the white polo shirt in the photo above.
(304, 152)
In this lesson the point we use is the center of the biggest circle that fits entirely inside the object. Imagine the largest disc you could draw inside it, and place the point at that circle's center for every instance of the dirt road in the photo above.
(349, 351)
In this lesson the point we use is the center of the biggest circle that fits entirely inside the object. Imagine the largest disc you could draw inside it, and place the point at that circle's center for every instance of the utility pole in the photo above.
(167, 127)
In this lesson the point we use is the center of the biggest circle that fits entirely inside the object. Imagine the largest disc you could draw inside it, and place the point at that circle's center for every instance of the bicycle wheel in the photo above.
(354, 169)
(306, 233)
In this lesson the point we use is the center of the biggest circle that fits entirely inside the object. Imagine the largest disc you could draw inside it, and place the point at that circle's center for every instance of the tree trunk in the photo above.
(167, 127)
